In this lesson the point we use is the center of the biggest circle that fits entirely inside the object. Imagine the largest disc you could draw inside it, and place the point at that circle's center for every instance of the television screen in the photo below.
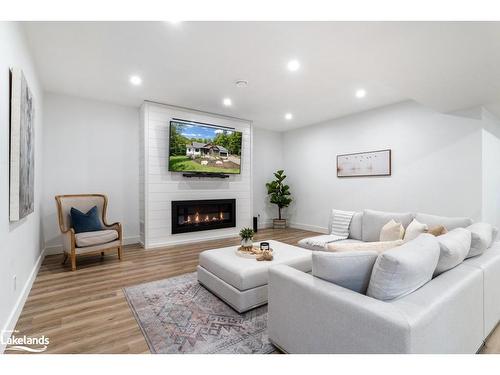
(204, 148)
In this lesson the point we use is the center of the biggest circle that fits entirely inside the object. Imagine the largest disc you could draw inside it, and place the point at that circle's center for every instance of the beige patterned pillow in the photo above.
(438, 230)
(392, 231)
(379, 247)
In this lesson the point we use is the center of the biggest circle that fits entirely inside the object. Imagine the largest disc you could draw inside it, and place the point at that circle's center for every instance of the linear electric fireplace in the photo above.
(192, 216)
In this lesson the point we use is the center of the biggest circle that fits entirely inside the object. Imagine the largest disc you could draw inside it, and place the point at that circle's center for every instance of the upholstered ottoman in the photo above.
(242, 282)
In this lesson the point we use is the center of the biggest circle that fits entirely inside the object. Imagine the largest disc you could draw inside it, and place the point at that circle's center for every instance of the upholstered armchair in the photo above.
(107, 239)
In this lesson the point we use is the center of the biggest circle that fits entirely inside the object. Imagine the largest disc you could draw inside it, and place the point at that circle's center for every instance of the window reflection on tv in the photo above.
(204, 148)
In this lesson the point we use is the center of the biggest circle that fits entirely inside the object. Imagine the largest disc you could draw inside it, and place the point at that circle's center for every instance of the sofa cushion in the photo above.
(355, 228)
(448, 222)
(392, 231)
(402, 270)
(414, 230)
(373, 221)
(482, 238)
(454, 247)
(96, 237)
(350, 270)
(379, 247)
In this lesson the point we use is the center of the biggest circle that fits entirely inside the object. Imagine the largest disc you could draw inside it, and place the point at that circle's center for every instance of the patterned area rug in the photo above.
(178, 315)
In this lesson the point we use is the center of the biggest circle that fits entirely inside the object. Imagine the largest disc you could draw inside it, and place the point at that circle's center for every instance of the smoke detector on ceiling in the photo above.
(241, 83)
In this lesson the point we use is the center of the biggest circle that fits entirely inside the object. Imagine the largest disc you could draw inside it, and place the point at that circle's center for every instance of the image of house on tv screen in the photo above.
(205, 149)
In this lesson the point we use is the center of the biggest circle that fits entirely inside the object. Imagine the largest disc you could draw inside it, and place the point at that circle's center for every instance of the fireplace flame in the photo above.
(199, 218)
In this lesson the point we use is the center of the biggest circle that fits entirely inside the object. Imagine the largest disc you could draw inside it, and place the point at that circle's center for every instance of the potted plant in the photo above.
(280, 196)
(246, 235)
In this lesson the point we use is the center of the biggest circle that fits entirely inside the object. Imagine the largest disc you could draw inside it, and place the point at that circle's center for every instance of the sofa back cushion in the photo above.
(355, 228)
(482, 238)
(373, 221)
(350, 270)
(454, 247)
(448, 222)
(403, 269)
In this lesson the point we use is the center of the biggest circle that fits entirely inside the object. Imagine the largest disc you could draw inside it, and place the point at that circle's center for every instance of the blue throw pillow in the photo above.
(88, 222)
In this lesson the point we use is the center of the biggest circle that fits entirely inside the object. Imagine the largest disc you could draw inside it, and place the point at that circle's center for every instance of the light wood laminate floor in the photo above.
(86, 312)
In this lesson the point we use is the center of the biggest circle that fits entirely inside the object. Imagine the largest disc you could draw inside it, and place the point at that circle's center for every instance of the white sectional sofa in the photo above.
(452, 313)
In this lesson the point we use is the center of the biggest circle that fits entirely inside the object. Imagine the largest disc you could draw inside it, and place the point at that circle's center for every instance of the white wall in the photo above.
(21, 242)
(91, 147)
(436, 164)
(267, 159)
(162, 186)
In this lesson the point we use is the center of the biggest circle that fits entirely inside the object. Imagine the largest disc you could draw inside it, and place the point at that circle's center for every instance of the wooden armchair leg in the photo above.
(73, 262)
(120, 252)
(65, 258)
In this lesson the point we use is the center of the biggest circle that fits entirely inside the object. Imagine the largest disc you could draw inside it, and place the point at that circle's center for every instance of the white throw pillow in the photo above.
(392, 231)
(482, 238)
(351, 270)
(454, 247)
(378, 246)
(414, 230)
(402, 270)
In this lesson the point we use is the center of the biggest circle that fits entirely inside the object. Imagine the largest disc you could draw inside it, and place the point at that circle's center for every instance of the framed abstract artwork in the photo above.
(22, 144)
(362, 164)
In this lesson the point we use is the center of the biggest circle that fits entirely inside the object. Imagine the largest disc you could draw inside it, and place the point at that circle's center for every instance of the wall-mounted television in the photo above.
(203, 148)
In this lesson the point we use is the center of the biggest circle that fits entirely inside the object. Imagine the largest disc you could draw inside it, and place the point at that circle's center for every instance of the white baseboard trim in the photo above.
(312, 228)
(18, 307)
(190, 240)
(54, 250)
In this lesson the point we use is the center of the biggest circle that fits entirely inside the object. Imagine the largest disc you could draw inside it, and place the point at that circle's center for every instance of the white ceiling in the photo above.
(445, 65)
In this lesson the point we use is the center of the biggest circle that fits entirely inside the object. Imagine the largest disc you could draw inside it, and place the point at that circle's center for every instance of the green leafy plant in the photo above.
(246, 233)
(279, 192)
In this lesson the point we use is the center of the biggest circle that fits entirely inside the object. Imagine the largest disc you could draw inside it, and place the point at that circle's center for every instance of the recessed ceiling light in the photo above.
(361, 93)
(135, 80)
(293, 65)
(288, 116)
(241, 83)
(227, 102)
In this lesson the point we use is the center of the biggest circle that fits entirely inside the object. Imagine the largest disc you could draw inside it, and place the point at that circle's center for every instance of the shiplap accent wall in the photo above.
(159, 186)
